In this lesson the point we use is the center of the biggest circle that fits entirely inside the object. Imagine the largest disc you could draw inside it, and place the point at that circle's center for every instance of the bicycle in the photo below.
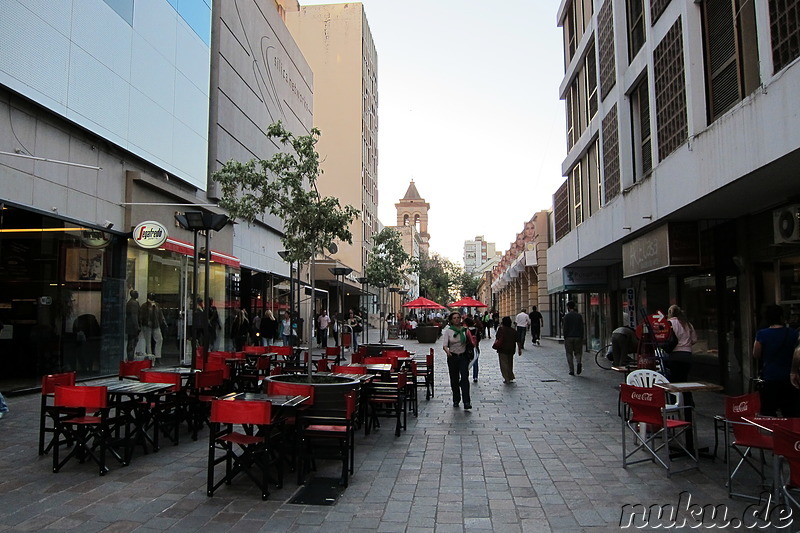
(604, 357)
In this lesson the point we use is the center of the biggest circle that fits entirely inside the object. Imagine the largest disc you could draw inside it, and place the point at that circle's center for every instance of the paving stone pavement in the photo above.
(539, 455)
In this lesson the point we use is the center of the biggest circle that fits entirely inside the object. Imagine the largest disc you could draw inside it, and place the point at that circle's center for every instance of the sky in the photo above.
(469, 108)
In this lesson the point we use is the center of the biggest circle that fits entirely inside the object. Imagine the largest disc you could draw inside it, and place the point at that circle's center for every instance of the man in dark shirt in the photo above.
(573, 337)
(537, 321)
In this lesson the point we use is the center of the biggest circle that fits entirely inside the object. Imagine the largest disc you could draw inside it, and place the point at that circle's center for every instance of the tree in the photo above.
(439, 279)
(389, 263)
(468, 284)
(285, 185)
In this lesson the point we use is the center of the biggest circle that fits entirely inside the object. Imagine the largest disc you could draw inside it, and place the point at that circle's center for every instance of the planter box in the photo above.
(427, 334)
(327, 396)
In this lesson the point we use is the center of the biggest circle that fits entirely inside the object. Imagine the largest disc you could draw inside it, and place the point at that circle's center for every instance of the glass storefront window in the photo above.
(699, 301)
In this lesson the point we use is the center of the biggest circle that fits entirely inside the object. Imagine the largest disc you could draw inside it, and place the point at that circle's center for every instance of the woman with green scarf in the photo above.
(455, 346)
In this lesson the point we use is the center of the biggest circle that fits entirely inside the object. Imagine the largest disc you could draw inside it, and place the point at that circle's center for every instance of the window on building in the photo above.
(784, 25)
(605, 47)
(570, 34)
(636, 32)
(670, 92)
(595, 185)
(573, 114)
(657, 8)
(610, 131)
(640, 125)
(561, 211)
(591, 83)
(577, 194)
(731, 53)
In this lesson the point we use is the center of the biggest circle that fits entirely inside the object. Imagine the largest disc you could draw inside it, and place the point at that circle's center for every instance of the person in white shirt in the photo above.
(523, 321)
(323, 321)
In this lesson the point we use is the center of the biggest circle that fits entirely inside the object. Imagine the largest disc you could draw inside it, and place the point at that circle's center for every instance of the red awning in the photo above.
(185, 248)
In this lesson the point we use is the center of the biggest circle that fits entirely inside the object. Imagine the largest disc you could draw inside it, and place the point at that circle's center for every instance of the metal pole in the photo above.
(193, 304)
(206, 333)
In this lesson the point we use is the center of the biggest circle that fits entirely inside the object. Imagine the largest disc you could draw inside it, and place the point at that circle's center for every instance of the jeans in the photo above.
(474, 363)
(574, 349)
(287, 340)
(3, 404)
(152, 334)
(458, 367)
(521, 330)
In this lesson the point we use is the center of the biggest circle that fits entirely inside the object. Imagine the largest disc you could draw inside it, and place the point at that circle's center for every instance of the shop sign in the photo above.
(584, 277)
(94, 238)
(673, 244)
(150, 234)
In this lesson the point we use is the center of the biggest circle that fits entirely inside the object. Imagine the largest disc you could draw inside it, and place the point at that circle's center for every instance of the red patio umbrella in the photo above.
(422, 303)
(467, 302)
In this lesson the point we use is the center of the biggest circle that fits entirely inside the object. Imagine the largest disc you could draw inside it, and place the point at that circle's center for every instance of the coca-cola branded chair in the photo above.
(786, 440)
(747, 440)
(647, 406)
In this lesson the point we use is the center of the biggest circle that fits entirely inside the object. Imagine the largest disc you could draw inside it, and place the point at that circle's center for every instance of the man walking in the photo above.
(573, 337)
(523, 321)
(537, 322)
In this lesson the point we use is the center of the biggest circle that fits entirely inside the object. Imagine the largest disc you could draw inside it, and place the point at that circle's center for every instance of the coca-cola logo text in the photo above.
(741, 407)
(642, 396)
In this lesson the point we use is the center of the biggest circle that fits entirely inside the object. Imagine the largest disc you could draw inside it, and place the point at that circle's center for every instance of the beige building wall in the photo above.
(337, 43)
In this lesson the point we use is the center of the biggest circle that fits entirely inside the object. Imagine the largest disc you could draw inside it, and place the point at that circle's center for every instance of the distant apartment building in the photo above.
(683, 143)
(336, 41)
(477, 252)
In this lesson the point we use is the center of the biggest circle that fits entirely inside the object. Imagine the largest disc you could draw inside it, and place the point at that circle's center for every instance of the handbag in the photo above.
(498, 342)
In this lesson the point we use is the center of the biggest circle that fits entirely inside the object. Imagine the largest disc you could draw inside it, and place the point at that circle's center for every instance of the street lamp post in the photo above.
(197, 221)
(364, 281)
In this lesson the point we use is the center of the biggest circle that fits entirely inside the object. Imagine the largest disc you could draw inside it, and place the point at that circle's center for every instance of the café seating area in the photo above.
(259, 426)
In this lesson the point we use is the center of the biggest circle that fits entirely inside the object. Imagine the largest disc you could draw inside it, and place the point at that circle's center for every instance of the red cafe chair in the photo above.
(131, 369)
(166, 414)
(206, 386)
(648, 406)
(243, 450)
(786, 445)
(47, 412)
(347, 369)
(747, 440)
(328, 437)
(88, 430)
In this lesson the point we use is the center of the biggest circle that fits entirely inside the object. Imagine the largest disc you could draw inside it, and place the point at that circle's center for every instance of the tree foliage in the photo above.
(468, 284)
(439, 279)
(389, 263)
(285, 186)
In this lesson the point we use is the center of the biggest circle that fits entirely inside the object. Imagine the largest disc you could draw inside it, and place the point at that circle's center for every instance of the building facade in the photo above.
(477, 252)
(337, 42)
(681, 137)
(112, 117)
(519, 280)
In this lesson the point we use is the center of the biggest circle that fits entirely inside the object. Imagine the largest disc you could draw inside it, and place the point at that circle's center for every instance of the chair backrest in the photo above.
(786, 442)
(131, 369)
(91, 398)
(646, 403)
(394, 353)
(322, 365)
(241, 411)
(357, 358)
(645, 378)
(291, 389)
(333, 350)
(402, 380)
(255, 350)
(281, 350)
(429, 360)
(377, 360)
(345, 369)
(51, 381)
(220, 366)
(736, 407)
(208, 379)
(154, 376)
(263, 364)
(350, 404)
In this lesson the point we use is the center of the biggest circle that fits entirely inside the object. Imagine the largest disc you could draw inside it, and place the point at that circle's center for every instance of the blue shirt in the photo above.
(777, 347)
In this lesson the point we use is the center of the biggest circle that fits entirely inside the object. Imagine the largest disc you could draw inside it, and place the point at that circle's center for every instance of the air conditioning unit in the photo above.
(786, 224)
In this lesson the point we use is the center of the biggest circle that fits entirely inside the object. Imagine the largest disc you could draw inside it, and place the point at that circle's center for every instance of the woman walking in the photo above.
(455, 346)
(506, 345)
